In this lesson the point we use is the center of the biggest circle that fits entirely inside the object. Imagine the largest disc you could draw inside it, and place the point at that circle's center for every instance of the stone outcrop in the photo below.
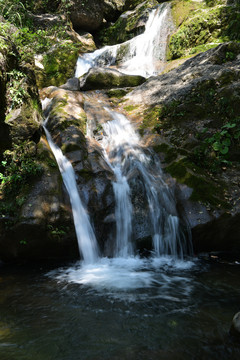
(101, 78)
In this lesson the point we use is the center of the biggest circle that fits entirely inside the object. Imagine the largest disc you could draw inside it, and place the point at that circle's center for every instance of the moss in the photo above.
(58, 65)
(108, 80)
(117, 93)
(204, 190)
(130, 108)
(181, 10)
(150, 119)
(169, 152)
(206, 28)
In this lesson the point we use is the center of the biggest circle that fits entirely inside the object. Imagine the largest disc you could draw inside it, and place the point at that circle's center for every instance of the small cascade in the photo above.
(86, 238)
(144, 54)
(119, 133)
(126, 157)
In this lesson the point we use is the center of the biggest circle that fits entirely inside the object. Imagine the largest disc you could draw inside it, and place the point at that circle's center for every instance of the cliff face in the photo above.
(188, 115)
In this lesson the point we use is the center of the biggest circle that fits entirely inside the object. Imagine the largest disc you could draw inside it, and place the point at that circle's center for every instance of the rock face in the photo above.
(87, 15)
(101, 78)
(193, 110)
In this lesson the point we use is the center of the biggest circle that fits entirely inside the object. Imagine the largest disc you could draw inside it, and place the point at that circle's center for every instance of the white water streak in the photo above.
(85, 234)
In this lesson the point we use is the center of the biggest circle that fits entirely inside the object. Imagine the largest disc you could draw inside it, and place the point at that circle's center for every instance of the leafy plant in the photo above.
(17, 169)
(14, 11)
(15, 91)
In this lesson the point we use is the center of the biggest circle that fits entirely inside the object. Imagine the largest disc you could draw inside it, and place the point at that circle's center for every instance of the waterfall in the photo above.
(86, 238)
(144, 54)
(123, 152)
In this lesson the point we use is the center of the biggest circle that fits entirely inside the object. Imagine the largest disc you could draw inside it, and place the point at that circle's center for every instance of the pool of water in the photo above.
(119, 309)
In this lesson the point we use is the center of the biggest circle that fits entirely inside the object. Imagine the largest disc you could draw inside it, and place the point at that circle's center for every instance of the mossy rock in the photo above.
(100, 78)
(25, 123)
(204, 189)
(59, 66)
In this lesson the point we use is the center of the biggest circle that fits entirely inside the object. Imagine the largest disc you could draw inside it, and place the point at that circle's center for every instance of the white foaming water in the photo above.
(145, 53)
(123, 153)
(119, 132)
(85, 234)
(131, 278)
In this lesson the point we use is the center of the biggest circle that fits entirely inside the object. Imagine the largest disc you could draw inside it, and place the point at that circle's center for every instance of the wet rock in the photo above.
(235, 327)
(72, 84)
(101, 78)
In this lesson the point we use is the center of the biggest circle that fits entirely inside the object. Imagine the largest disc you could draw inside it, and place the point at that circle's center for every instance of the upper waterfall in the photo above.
(143, 55)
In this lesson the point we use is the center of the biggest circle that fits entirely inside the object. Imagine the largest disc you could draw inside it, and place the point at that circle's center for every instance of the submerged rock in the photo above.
(235, 327)
(101, 78)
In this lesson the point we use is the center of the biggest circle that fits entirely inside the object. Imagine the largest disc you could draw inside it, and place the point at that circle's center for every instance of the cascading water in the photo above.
(144, 54)
(86, 238)
(130, 163)
(123, 152)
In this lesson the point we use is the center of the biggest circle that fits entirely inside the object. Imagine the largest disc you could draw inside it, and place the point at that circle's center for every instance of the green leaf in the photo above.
(227, 142)
(224, 150)
(216, 146)
(229, 125)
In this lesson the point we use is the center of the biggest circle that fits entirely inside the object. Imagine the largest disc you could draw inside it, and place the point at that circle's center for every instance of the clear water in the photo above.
(174, 313)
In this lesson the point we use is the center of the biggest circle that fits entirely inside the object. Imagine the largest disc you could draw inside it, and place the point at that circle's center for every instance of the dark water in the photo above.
(181, 314)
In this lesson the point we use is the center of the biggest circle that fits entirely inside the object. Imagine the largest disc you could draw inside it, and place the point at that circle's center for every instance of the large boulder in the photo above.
(193, 111)
(101, 78)
(87, 15)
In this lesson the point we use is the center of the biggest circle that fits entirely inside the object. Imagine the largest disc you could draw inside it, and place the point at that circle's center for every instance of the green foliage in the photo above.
(215, 148)
(16, 94)
(14, 11)
(17, 169)
(57, 232)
